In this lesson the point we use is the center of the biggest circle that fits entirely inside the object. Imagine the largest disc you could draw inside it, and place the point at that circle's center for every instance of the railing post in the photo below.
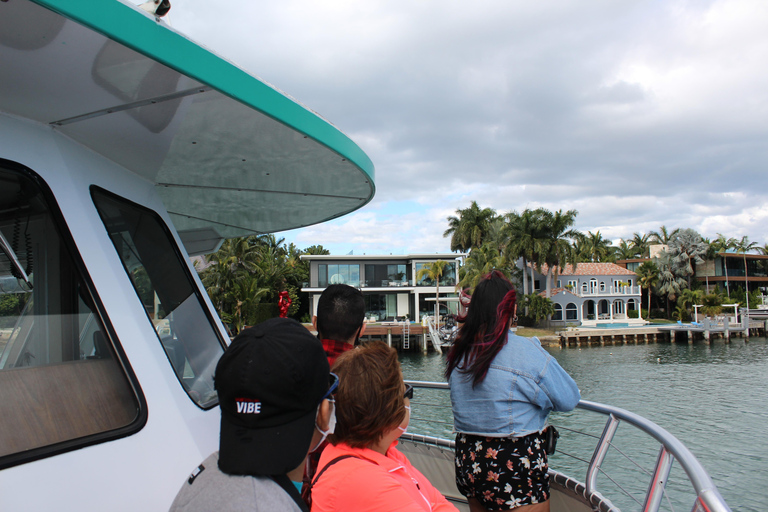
(659, 482)
(600, 452)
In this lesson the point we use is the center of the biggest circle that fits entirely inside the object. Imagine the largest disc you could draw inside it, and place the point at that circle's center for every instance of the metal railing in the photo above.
(707, 497)
(609, 290)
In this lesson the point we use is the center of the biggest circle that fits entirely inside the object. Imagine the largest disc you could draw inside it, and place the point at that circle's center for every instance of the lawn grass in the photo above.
(537, 331)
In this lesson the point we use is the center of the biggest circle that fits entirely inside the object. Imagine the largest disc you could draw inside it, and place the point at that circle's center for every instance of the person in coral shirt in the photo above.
(362, 470)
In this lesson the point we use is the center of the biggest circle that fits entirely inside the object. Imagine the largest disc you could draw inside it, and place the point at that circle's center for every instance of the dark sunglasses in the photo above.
(408, 392)
(334, 379)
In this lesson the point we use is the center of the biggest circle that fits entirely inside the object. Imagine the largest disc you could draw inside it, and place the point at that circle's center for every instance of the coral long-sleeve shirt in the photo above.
(372, 482)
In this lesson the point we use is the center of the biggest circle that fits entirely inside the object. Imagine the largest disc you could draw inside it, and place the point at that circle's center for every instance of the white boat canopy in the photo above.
(230, 155)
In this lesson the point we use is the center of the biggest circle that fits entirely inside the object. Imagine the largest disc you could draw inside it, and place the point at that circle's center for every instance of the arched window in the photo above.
(571, 313)
(558, 312)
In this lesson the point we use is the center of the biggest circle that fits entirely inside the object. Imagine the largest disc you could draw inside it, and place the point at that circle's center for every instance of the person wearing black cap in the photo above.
(274, 386)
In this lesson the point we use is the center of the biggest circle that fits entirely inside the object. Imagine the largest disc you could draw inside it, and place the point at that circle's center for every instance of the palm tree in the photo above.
(599, 248)
(479, 262)
(470, 228)
(231, 280)
(662, 236)
(721, 245)
(434, 271)
(670, 284)
(640, 244)
(523, 234)
(744, 246)
(558, 249)
(625, 250)
(648, 278)
(689, 298)
(687, 249)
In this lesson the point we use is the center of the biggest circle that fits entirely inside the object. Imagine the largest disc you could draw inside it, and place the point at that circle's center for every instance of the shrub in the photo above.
(525, 321)
(632, 313)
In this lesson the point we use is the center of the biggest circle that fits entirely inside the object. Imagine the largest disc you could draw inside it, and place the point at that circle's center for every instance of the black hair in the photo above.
(484, 328)
(340, 312)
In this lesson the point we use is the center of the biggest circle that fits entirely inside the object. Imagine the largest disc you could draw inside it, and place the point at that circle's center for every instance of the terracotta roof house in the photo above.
(591, 294)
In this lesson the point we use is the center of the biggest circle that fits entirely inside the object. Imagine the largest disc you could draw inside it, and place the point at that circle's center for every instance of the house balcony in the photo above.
(390, 283)
(610, 291)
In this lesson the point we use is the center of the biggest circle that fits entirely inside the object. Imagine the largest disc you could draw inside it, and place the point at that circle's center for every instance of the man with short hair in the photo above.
(274, 388)
(339, 320)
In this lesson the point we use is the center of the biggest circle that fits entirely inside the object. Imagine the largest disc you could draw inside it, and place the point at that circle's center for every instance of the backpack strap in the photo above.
(286, 484)
(306, 493)
(331, 463)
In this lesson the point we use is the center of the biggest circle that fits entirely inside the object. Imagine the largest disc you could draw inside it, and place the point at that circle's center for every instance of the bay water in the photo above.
(711, 396)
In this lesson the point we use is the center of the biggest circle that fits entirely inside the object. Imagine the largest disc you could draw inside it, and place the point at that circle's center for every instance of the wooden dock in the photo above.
(393, 334)
(680, 333)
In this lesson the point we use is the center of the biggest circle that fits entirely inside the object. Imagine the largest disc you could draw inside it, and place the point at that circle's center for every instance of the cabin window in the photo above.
(167, 292)
(62, 384)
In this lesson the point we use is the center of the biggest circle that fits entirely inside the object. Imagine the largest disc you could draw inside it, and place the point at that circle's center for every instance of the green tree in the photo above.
(687, 249)
(524, 234)
(713, 304)
(648, 279)
(721, 245)
(640, 243)
(689, 298)
(625, 250)
(539, 307)
(558, 251)
(479, 262)
(470, 227)
(434, 271)
(245, 276)
(598, 249)
(662, 236)
(744, 246)
(670, 284)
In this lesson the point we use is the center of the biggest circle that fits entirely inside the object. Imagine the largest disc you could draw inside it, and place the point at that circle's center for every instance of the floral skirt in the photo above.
(502, 472)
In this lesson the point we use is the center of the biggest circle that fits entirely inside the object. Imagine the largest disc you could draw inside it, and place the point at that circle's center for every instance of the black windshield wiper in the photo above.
(19, 270)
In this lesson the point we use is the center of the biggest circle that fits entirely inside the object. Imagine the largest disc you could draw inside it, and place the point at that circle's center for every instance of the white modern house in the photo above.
(388, 283)
(591, 294)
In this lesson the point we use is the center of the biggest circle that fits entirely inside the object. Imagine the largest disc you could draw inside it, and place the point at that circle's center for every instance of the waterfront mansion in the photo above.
(591, 294)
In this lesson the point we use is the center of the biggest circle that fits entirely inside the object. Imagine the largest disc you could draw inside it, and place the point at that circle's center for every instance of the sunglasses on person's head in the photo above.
(408, 392)
(332, 388)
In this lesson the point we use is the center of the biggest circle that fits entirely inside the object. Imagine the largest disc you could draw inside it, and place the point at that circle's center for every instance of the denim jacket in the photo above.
(522, 385)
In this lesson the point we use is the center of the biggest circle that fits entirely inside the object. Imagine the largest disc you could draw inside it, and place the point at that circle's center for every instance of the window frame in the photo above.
(196, 290)
(68, 243)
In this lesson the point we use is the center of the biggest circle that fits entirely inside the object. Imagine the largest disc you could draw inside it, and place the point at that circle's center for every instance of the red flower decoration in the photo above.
(284, 303)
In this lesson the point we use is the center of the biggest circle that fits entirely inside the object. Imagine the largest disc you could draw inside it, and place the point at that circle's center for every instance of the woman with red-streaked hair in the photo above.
(361, 470)
(503, 387)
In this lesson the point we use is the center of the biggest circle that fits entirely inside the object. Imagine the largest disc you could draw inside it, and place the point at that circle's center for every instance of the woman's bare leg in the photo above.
(475, 506)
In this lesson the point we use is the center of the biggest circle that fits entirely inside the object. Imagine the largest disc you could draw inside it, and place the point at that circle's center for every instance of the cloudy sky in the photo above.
(635, 113)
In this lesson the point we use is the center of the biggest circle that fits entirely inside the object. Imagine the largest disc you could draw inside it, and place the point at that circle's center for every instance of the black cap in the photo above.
(270, 382)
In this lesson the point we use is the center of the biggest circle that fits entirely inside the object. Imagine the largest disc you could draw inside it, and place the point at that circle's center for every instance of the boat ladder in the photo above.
(406, 335)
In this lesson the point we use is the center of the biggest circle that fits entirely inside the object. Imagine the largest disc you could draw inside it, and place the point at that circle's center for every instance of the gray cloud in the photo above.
(635, 113)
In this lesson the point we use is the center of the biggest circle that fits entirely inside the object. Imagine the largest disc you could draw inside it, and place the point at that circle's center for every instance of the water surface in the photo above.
(711, 397)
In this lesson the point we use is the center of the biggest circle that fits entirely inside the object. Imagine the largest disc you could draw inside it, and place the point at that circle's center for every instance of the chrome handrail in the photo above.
(708, 498)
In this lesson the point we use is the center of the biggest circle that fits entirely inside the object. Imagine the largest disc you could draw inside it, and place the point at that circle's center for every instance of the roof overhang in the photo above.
(229, 154)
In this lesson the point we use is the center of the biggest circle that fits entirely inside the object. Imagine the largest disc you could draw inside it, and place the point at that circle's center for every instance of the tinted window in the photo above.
(60, 375)
(166, 290)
